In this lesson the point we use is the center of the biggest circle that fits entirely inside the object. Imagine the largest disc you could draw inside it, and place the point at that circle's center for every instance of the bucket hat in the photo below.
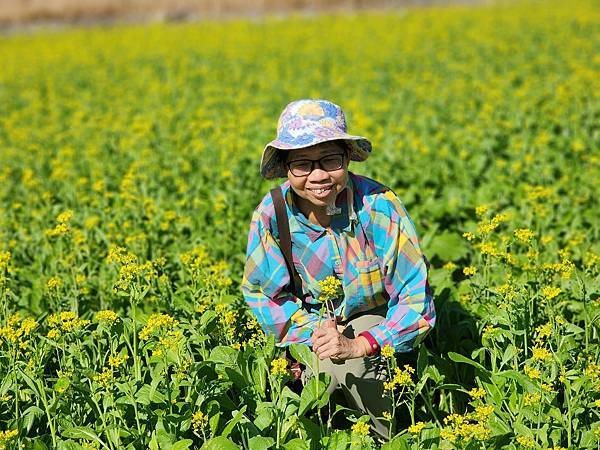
(308, 122)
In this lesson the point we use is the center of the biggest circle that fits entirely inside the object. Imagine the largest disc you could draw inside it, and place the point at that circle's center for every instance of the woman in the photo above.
(340, 225)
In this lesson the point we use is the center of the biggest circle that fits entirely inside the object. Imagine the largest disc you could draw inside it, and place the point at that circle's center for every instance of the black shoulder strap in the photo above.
(285, 240)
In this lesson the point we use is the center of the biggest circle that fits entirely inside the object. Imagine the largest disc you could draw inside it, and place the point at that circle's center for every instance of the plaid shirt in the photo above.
(371, 246)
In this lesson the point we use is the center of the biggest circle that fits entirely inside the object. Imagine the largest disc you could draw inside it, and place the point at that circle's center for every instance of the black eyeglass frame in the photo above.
(319, 161)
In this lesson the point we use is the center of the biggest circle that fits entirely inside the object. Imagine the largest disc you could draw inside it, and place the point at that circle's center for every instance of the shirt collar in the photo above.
(345, 220)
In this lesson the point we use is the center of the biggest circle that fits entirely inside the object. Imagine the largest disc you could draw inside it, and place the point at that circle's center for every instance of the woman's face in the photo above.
(320, 187)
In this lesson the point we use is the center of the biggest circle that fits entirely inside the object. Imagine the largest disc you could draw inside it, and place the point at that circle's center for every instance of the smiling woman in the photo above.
(325, 222)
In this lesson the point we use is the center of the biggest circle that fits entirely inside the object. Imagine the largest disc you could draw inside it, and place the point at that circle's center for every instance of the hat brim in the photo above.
(272, 167)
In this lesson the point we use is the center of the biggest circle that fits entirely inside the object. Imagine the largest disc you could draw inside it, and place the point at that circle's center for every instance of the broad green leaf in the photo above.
(296, 444)
(260, 443)
(224, 355)
(457, 357)
(233, 422)
(312, 394)
(145, 397)
(183, 444)
(448, 246)
(219, 443)
(397, 443)
(339, 440)
(302, 354)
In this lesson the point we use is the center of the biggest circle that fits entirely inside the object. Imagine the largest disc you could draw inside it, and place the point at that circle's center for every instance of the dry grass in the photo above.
(21, 12)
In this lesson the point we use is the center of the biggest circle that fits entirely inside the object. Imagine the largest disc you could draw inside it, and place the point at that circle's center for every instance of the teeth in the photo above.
(320, 191)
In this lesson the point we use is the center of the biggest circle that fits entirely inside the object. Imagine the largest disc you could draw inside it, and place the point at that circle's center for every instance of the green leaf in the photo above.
(302, 354)
(62, 384)
(422, 360)
(208, 322)
(339, 440)
(448, 246)
(233, 422)
(296, 444)
(82, 433)
(264, 416)
(183, 444)
(145, 396)
(224, 355)
(398, 443)
(219, 443)
(520, 378)
(260, 443)
(314, 393)
(456, 357)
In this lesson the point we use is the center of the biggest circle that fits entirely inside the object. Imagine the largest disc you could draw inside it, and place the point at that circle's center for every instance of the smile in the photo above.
(321, 192)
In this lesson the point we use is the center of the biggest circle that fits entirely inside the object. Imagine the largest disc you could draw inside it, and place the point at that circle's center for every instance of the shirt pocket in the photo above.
(367, 282)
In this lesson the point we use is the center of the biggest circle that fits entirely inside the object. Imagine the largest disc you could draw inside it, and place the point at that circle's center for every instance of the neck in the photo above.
(315, 214)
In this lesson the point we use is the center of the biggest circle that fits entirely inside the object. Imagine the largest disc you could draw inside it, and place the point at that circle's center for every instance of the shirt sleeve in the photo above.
(411, 312)
(264, 287)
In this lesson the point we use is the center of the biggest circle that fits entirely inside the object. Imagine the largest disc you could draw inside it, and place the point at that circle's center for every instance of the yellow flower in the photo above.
(468, 236)
(449, 266)
(477, 393)
(481, 210)
(107, 316)
(387, 351)
(53, 334)
(416, 428)
(279, 367)
(470, 270)
(199, 421)
(524, 235)
(544, 331)
(403, 377)
(360, 429)
(387, 415)
(532, 372)
(531, 399)
(157, 322)
(526, 442)
(105, 378)
(540, 353)
(550, 292)
(330, 288)
(6, 437)
(53, 283)
(117, 360)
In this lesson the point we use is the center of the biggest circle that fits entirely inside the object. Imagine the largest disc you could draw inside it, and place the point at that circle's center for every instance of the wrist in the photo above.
(362, 346)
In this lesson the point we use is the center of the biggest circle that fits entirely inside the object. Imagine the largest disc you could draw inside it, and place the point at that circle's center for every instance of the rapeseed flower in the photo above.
(279, 367)
(526, 442)
(416, 428)
(330, 288)
(387, 351)
(361, 429)
(107, 317)
(199, 421)
(540, 353)
(477, 393)
(550, 292)
(470, 271)
(524, 235)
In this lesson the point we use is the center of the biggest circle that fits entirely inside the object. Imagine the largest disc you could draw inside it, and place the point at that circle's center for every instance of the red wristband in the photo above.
(374, 346)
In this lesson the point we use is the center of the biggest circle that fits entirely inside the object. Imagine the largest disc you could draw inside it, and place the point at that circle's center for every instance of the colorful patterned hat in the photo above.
(308, 122)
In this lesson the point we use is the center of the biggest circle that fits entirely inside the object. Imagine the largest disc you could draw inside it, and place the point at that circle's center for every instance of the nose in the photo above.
(318, 175)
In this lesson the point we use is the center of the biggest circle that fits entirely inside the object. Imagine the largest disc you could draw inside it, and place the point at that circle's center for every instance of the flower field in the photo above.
(129, 163)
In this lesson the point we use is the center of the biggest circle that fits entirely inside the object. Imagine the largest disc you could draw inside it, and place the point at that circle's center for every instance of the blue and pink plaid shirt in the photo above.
(371, 246)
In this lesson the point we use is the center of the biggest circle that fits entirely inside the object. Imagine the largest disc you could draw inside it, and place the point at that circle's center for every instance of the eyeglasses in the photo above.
(303, 167)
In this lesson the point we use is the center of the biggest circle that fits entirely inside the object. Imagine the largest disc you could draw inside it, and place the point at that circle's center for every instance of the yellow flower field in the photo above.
(129, 161)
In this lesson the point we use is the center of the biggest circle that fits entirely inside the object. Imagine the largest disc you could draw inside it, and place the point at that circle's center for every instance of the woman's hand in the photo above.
(328, 342)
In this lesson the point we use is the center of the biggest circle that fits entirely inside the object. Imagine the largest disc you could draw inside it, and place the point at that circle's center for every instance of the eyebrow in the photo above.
(319, 155)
